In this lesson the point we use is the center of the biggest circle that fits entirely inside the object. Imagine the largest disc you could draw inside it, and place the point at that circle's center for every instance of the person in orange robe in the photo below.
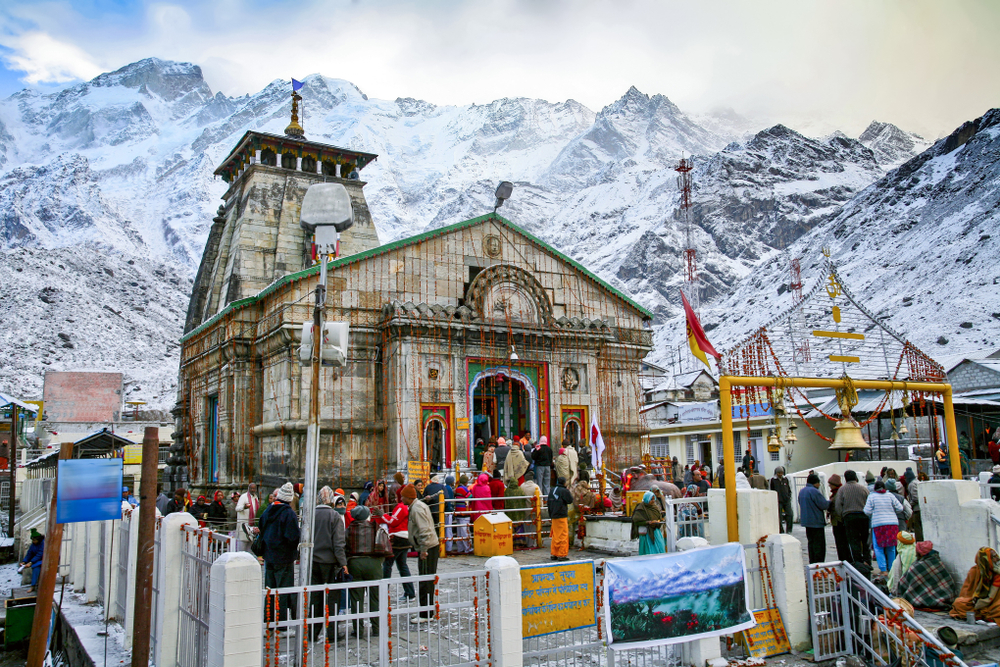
(979, 592)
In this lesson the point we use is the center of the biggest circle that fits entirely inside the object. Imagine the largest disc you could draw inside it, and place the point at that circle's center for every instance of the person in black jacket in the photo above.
(177, 503)
(217, 513)
(542, 458)
(560, 500)
(430, 497)
(279, 529)
(779, 484)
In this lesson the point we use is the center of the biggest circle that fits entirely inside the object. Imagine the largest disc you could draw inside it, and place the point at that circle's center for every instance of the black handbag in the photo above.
(257, 546)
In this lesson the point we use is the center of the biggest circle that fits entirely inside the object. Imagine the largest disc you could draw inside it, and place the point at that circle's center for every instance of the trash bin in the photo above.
(493, 535)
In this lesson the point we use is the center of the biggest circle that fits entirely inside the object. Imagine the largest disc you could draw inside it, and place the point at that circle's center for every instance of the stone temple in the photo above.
(468, 331)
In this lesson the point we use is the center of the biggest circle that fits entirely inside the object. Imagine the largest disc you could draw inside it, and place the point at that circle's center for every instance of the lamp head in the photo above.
(503, 193)
(513, 354)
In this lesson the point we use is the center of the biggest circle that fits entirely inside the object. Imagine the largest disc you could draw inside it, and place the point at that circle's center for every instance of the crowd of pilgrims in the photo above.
(363, 535)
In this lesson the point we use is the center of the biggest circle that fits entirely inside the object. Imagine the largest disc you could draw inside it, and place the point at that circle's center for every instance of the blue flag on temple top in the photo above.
(296, 85)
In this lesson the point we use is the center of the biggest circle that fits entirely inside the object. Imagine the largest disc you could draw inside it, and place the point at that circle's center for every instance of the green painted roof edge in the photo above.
(401, 243)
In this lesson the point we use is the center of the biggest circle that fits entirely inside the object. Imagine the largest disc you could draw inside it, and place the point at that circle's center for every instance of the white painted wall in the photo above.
(956, 520)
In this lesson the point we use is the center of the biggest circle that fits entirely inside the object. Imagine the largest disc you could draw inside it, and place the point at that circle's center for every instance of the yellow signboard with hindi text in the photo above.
(556, 598)
(419, 470)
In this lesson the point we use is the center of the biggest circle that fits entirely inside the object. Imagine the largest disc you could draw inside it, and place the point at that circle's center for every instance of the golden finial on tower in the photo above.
(294, 129)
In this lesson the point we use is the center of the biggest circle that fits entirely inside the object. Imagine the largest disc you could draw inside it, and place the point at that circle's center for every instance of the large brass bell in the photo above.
(847, 435)
(773, 444)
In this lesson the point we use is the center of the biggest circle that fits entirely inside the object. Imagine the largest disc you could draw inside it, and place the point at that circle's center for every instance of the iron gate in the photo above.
(851, 616)
(199, 549)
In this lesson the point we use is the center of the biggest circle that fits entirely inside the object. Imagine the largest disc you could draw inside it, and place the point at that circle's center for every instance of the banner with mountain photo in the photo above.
(672, 598)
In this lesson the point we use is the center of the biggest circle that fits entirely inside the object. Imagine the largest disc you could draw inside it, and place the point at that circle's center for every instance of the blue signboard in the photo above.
(754, 409)
(89, 490)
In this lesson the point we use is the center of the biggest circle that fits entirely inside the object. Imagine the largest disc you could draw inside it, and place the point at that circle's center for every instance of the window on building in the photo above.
(329, 168)
(212, 436)
(268, 157)
(659, 447)
(775, 456)
(705, 448)
(692, 439)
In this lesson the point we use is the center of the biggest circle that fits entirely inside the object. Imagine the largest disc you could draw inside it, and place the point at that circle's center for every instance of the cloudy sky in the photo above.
(926, 65)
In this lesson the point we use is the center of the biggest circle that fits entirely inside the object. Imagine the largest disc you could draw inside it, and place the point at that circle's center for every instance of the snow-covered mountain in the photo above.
(120, 168)
(891, 145)
(919, 247)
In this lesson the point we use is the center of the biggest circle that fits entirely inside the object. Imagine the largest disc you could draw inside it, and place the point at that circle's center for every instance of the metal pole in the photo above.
(729, 457)
(308, 500)
(949, 420)
(12, 466)
(39, 643)
(145, 545)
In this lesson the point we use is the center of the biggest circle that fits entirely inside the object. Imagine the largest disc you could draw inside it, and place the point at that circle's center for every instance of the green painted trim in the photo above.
(402, 243)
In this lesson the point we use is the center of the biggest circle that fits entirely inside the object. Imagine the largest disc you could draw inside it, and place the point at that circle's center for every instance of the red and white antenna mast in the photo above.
(691, 290)
(796, 284)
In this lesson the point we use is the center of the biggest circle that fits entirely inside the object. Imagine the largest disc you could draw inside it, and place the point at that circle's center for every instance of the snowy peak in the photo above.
(891, 145)
(168, 80)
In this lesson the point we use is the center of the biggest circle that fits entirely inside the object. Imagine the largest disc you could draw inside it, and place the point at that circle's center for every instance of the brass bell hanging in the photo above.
(773, 444)
(847, 435)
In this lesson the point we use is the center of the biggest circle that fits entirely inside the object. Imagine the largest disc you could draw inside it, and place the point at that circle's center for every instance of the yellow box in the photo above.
(493, 535)
(633, 498)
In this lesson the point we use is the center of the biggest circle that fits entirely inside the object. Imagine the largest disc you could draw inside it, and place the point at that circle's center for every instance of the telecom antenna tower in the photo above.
(691, 290)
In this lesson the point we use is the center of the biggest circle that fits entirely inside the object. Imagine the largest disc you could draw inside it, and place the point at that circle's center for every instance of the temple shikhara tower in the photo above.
(469, 331)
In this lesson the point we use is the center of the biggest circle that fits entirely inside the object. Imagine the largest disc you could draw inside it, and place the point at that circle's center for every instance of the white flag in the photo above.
(596, 444)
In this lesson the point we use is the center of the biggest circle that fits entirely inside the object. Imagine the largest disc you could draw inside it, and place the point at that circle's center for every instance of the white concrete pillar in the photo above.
(319, 166)
(298, 164)
(168, 564)
(789, 580)
(336, 170)
(255, 158)
(701, 652)
(78, 564)
(756, 514)
(111, 568)
(236, 613)
(946, 504)
(133, 548)
(505, 607)
(92, 577)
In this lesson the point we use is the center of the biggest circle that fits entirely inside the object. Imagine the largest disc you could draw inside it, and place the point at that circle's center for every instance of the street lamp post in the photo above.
(326, 212)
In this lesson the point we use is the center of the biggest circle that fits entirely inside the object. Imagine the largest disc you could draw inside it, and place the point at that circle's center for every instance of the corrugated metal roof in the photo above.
(402, 243)
(6, 400)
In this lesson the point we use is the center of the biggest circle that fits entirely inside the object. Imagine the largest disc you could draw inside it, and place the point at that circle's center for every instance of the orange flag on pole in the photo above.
(696, 335)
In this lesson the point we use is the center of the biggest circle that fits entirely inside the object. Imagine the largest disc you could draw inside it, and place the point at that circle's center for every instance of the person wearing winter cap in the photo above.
(500, 454)
(329, 559)
(200, 510)
(542, 458)
(33, 558)
(870, 481)
(279, 530)
(812, 508)
(128, 497)
(399, 536)
(398, 482)
(836, 520)
(994, 482)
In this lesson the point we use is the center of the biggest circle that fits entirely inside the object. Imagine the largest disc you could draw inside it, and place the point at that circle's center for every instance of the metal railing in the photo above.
(123, 544)
(850, 616)
(200, 548)
(685, 517)
(587, 646)
(987, 490)
(378, 626)
(154, 636)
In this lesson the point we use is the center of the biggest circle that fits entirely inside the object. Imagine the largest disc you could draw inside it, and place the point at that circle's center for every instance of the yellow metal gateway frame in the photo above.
(727, 382)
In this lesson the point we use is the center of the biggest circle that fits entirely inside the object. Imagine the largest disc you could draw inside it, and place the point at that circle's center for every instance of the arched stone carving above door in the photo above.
(504, 292)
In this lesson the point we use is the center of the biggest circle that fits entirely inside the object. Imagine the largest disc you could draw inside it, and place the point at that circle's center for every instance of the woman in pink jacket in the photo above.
(479, 491)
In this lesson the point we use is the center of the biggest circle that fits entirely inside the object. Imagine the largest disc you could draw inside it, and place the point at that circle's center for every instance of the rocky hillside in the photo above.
(919, 247)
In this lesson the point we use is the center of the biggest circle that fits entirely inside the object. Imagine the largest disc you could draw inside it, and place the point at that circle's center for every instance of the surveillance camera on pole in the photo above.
(504, 190)
(326, 212)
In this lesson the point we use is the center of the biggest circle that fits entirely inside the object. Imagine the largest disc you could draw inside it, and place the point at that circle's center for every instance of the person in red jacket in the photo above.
(397, 524)
(497, 491)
